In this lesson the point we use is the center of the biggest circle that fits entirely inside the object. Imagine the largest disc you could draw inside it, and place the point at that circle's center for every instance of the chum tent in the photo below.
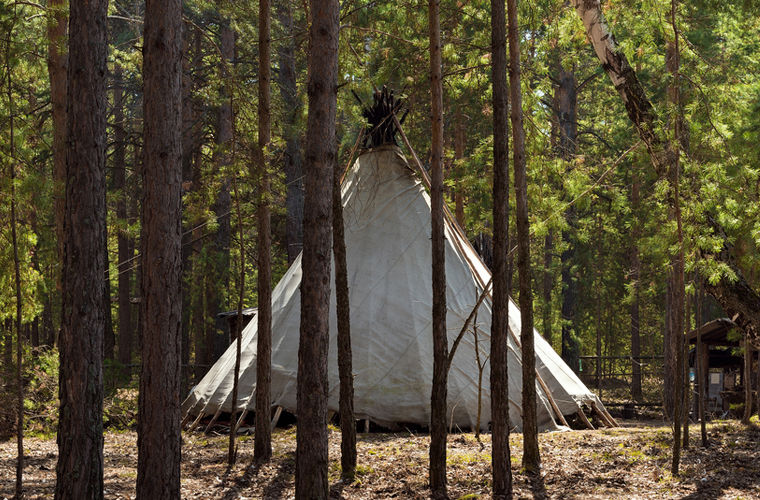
(387, 232)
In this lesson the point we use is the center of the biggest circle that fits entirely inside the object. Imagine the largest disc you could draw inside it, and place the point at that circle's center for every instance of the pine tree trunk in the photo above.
(287, 82)
(17, 279)
(123, 241)
(321, 156)
(109, 338)
(158, 431)
(188, 122)
(566, 99)
(79, 472)
(263, 438)
(500, 453)
(531, 456)
(218, 270)
(345, 361)
(679, 293)
(440, 343)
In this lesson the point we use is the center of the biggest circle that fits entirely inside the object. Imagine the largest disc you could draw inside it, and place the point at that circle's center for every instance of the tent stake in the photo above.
(551, 400)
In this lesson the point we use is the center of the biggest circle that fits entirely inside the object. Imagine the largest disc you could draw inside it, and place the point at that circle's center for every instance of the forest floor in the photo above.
(632, 461)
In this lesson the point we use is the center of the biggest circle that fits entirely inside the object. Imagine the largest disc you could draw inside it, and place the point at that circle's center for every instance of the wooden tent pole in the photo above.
(213, 420)
(276, 418)
(195, 422)
(601, 415)
(585, 419)
(551, 401)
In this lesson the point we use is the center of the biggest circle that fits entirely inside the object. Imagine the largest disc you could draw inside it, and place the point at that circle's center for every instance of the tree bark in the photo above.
(123, 241)
(158, 438)
(440, 340)
(287, 82)
(17, 276)
(500, 453)
(531, 456)
(321, 156)
(345, 361)
(79, 472)
(566, 101)
(677, 262)
(218, 271)
(263, 437)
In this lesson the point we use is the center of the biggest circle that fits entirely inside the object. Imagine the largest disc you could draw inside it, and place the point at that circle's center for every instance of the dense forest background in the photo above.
(602, 239)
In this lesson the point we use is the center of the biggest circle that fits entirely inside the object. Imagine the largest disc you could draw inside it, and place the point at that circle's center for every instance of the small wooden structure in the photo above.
(724, 372)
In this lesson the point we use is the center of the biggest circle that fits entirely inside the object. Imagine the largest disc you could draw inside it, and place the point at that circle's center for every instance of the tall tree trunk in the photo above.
(188, 128)
(79, 472)
(158, 438)
(321, 156)
(668, 402)
(17, 275)
(345, 361)
(57, 64)
(531, 456)
(636, 393)
(287, 82)
(440, 340)
(109, 338)
(700, 361)
(679, 292)
(217, 277)
(263, 438)
(123, 241)
(566, 99)
(500, 453)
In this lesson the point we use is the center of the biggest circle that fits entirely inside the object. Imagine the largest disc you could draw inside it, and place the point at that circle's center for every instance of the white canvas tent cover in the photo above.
(387, 231)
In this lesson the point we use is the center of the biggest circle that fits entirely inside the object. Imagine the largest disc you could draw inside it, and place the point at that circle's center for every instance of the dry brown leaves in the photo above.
(628, 462)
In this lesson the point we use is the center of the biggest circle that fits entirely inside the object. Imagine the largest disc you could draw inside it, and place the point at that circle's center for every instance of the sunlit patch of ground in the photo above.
(628, 462)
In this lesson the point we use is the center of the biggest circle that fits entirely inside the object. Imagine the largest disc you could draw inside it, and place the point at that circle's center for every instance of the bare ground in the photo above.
(628, 462)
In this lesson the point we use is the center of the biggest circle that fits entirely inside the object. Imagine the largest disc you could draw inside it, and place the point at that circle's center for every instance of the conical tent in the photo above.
(387, 231)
